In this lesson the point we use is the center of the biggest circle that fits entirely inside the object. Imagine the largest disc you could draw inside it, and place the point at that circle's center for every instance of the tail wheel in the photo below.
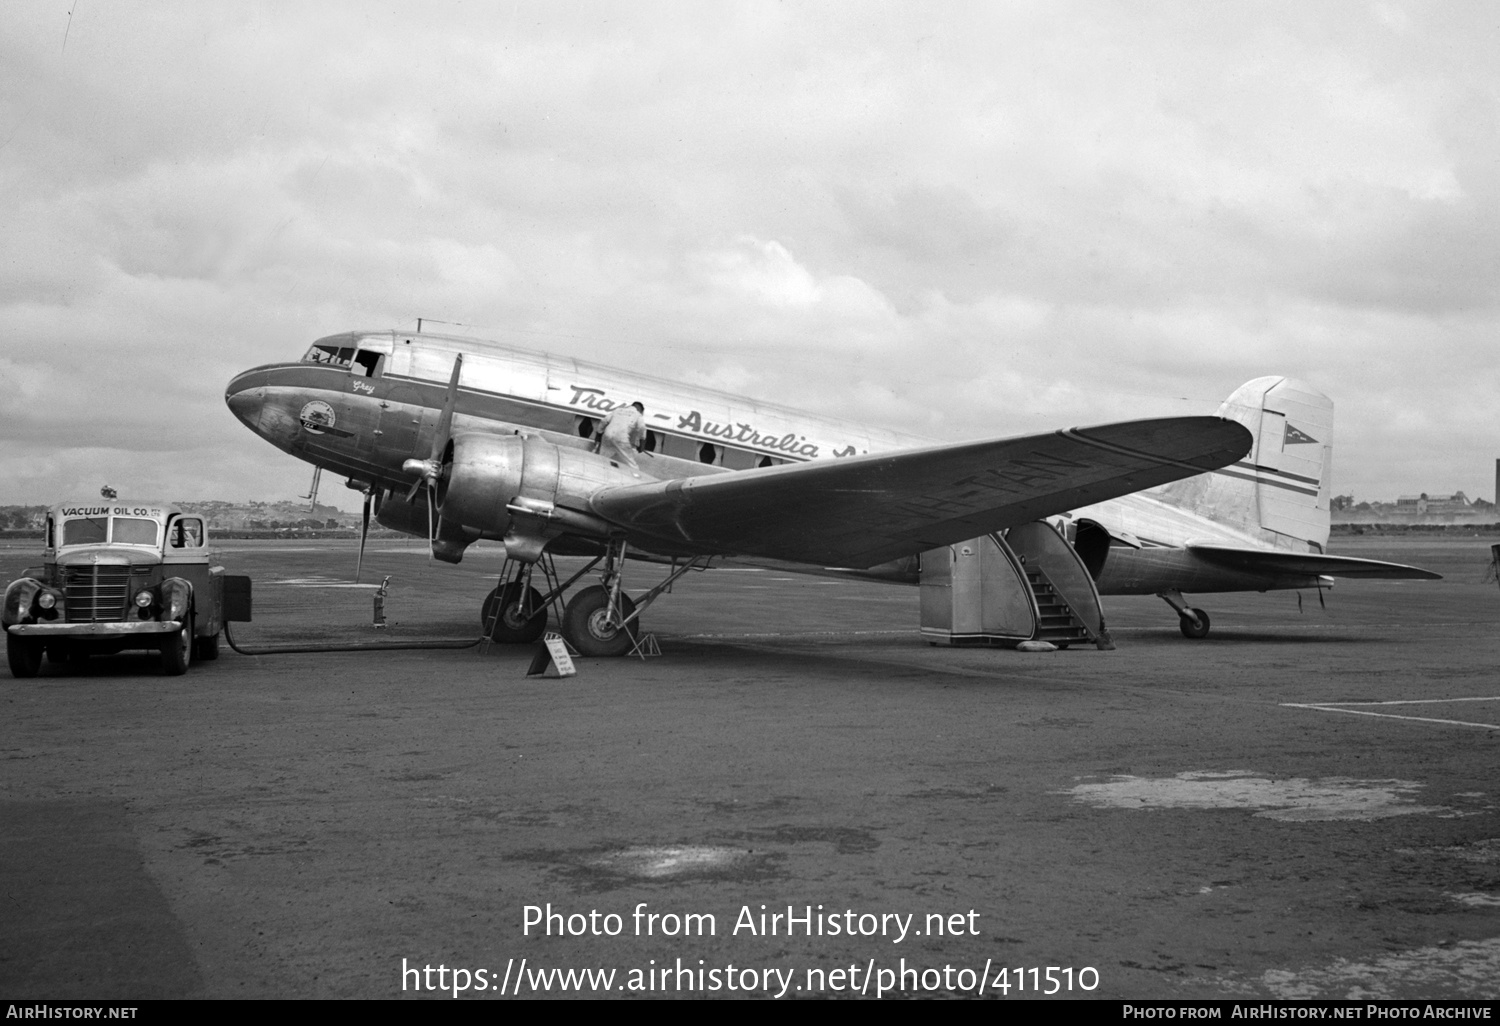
(1192, 630)
(25, 656)
(206, 649)
(502, 615)
(177, 649)
(586, 623)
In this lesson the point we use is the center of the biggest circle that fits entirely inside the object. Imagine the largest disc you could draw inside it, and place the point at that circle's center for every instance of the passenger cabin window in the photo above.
(708, 453)
(187, 533)
(135, 531)
(739, 459)
(86, 531)
(335, 356)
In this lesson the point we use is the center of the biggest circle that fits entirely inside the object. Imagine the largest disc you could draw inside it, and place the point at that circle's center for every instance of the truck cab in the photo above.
(120, 575)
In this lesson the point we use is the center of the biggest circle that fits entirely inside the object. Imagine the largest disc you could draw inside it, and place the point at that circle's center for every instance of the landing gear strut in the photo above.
(1192, 622)
(600, 620)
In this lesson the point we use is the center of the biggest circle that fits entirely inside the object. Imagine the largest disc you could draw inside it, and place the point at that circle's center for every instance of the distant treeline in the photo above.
(1416, 528)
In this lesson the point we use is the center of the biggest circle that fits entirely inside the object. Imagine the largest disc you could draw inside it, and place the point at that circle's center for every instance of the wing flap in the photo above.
(1268, 561)
(863, 510)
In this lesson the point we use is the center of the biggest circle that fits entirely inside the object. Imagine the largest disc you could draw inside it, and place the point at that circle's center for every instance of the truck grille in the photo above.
(98, 594)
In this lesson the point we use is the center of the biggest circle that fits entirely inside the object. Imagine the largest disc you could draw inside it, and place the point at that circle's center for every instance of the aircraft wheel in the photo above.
(206, 649)
(584, 623)
(1191, 631)
(177, 650)
(24, 654)
(503, 608)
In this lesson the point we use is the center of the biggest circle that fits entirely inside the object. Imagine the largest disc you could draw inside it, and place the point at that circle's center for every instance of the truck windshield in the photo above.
(86, 531)
(133, 531)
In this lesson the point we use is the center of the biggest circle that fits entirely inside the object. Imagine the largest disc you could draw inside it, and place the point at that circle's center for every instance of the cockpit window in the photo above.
(367, 362)
(133, 531)
(337, 356)
(85, 531)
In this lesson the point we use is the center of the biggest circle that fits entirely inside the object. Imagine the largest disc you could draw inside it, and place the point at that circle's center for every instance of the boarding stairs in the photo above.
(1055, 621)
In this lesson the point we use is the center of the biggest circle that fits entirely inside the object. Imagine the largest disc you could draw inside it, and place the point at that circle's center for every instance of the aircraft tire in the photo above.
(584, 626)
(1191, 631)
(503, 608)
(24, 655)
(177, 650)
(206, 649)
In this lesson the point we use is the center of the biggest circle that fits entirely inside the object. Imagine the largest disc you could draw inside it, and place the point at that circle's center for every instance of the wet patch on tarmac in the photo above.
(845, 840)
(1481, 852)
(656, 863)
(1294, 800)
(315, 582)
(614, 867)
(1466, 969)
(216, 850)
(1477, 900)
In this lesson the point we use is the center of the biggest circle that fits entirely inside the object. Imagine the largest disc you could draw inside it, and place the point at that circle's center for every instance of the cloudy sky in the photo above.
(961, 220)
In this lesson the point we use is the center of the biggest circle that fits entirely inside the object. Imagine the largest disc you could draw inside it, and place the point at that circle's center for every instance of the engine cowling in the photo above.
(494, 478)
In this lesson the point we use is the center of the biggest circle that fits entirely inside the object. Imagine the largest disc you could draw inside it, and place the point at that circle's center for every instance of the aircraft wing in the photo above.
(863, 510)
(1267, 561)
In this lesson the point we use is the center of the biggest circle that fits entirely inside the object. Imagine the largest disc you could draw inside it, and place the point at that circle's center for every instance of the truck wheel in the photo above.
(177, 650)
(25, 656)
(584, 623)
(206, 648)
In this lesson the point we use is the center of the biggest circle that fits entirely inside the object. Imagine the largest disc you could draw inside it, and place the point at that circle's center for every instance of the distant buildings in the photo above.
(1424, 503)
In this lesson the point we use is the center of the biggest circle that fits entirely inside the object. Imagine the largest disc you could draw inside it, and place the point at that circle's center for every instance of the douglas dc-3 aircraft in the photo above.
(457, 439)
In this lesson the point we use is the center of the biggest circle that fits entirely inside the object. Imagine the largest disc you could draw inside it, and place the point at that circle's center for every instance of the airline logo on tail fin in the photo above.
(1295, 437)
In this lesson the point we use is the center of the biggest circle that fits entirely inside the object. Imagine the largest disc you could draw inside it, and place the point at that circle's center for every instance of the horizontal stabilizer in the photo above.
(1265, 561)
(863, 510)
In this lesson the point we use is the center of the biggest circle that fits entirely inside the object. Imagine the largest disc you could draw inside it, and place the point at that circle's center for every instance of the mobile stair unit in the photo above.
(1025, 584)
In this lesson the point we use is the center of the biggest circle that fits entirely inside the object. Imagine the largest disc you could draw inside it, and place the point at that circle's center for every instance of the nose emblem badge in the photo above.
(316, 416)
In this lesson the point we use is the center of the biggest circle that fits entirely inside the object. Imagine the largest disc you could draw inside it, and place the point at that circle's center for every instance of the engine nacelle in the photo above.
(395, 512)
(490, 474)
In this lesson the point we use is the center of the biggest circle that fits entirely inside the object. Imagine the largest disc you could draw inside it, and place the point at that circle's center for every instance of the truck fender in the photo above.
(19, 599)
(176, 599)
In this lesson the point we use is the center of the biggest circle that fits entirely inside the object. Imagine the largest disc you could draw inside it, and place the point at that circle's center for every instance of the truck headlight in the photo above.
(143, 599)
(46, 600)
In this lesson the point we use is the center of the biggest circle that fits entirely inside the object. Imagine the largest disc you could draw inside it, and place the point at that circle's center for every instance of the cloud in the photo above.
(965, 221)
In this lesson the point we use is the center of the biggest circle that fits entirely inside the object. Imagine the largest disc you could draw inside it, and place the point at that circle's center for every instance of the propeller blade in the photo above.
(430, 470)
(364, 532)
(445, 421)
(431, 528)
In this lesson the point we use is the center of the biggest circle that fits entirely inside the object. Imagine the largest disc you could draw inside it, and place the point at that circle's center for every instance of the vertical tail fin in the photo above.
(1280, 491)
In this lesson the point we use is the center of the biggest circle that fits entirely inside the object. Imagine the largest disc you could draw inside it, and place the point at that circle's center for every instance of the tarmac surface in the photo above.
(1305, 804)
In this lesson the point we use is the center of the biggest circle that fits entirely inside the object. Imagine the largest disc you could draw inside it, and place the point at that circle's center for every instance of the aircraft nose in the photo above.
(245, 401)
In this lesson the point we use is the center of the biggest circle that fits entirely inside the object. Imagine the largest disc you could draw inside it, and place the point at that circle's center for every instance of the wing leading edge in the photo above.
(1264, 561)
(864, 510)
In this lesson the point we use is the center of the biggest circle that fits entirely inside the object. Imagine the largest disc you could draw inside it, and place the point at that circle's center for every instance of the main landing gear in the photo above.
(599, 620)
(1192, 622)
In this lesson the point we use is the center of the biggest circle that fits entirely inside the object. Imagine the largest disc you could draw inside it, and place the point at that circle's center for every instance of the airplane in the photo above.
(456, 439)
(1260, 524)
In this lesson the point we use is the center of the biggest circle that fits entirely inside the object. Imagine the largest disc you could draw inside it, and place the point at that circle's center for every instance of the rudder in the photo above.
(1280, 491)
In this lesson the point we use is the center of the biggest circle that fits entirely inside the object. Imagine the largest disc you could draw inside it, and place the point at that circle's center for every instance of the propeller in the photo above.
(364, 533)
(430, 470)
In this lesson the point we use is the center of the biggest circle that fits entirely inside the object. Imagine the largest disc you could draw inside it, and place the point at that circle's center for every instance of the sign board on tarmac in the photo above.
(552, 659)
